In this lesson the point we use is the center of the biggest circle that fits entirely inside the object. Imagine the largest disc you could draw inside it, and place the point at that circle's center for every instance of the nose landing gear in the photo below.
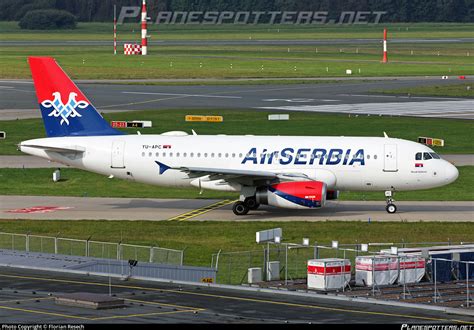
(391, 207)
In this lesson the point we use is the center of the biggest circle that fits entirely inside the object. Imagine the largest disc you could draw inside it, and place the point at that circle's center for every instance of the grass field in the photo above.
(458, 134)
(80, 183)
(202, 239)
(243, 62)
(130, 31)
(457, 90)
(246, 61)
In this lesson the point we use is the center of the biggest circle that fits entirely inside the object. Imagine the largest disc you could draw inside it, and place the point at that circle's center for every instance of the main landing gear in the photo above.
(391, 208)
(242, 208)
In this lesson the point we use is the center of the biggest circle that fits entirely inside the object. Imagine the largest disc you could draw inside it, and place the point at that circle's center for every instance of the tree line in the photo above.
(397, 10)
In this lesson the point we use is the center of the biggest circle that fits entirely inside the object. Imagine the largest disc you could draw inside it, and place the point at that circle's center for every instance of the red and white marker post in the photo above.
(144, 29)
(385, 57)
(115, 29)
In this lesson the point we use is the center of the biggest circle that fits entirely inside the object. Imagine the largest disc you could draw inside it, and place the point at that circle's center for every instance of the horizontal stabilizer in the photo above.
(55, 149)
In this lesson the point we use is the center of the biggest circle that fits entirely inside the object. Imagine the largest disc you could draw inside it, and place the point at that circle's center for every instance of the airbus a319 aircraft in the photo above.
(296, 172)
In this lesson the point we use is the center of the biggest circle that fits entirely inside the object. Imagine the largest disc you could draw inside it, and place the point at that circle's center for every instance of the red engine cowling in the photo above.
(293, 195)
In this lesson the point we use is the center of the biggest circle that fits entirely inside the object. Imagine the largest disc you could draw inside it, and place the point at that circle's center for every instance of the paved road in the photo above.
(36, 162)
(28, 297)
(18, 100)
(246, 42)
(79, 208)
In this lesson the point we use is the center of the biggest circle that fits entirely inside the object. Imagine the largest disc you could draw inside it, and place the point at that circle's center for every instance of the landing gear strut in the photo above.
(391, 208)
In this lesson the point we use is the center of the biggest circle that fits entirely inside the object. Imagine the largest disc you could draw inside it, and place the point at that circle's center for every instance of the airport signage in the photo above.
(279, 117)
(431, 141)
(269, 235)
(131, 124)
(212, 119)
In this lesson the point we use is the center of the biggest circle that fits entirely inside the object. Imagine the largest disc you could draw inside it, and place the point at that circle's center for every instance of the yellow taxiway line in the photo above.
(202, 210)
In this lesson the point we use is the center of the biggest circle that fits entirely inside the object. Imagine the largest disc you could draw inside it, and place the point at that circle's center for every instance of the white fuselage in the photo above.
(343, 163)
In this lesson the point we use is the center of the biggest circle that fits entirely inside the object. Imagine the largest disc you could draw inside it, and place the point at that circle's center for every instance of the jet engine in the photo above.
(332, 195)
(293, 195)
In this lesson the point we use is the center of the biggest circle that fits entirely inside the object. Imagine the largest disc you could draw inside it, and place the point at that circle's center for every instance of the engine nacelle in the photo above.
(332, 195)
(293, 195)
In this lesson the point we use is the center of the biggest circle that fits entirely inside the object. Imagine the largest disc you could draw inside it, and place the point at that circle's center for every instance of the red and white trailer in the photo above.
(378, 270)
(412, 269)
(328, 274)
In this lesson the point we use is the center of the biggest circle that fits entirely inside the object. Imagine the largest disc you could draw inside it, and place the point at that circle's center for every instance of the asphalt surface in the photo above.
(18, 99)
(246, 42)
(87, 208)
(28, 297)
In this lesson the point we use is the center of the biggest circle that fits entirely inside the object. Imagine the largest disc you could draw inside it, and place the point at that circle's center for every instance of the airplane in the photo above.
(295, 172)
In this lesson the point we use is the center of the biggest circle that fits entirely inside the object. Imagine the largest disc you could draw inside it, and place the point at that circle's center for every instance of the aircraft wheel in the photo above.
(240, 208)
(252, 203)
(391, 208)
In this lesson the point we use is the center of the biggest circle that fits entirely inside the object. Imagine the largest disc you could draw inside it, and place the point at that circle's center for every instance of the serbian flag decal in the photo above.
(418, 165)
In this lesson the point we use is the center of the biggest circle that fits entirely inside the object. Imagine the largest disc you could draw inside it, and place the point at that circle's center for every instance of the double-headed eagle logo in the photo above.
(64, 110)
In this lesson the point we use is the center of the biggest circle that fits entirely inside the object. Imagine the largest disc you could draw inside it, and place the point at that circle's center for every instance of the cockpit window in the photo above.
(435, 155)
(418, 156)
(426, 156)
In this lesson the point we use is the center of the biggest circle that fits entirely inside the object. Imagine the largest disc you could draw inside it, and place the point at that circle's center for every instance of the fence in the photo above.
(232, 267)
(293, 258)
(451, 281)
(89, 248)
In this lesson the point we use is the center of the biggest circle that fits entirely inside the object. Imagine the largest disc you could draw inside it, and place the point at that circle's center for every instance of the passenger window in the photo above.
(434, 155)
(375, 156)
(426, 156)
(418, 156)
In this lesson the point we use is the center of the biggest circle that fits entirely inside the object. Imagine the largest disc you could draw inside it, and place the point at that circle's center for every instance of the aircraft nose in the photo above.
(451, 173)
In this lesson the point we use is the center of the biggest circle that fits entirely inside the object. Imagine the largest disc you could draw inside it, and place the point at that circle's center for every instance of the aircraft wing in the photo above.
(235, 175)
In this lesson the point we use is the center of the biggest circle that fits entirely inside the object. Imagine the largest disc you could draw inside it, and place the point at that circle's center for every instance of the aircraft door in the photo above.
(117, 160)
(390, 158)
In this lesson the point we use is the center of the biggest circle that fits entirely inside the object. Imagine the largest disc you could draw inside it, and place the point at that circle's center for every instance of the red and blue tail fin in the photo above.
(65, 109)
